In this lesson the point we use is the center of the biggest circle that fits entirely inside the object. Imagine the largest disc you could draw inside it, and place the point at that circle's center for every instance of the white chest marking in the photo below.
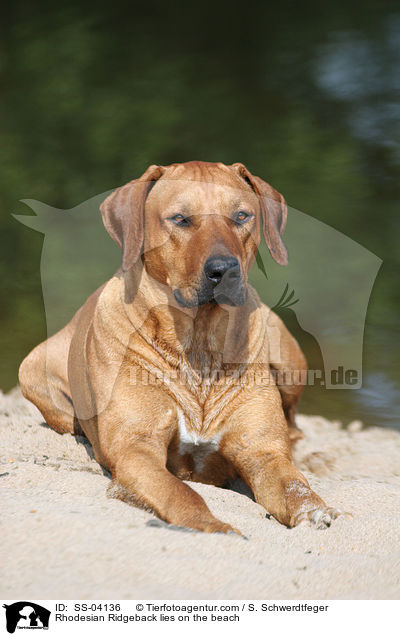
(193, 444)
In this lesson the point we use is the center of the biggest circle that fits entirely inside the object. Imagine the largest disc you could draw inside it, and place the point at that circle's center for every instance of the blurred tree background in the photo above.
(305, 94)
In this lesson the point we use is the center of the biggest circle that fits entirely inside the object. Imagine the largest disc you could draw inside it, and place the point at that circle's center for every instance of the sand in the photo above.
(63, 538)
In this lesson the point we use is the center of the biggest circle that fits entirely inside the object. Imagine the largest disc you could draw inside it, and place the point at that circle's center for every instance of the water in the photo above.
(306, 96)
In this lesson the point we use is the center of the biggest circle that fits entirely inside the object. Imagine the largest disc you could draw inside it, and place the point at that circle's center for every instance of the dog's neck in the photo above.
(207, 337)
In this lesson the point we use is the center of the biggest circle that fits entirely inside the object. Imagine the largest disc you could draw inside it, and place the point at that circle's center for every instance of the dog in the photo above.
(174, 369)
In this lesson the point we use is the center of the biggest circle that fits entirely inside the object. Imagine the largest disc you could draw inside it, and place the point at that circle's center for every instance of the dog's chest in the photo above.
(204, 351)
(194, 444)
(203, 362)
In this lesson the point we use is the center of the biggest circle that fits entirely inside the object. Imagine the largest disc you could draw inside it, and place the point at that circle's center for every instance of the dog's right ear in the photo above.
(123, 214)
(273, 210)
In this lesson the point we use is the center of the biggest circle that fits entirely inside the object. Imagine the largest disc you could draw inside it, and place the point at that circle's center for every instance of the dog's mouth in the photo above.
(221, 294)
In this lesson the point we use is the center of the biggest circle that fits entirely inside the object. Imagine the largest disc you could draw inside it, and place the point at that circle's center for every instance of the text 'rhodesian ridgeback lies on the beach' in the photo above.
(174, 369)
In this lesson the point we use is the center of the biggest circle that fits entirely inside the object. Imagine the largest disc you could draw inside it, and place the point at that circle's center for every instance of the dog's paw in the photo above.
(320, 518)
(214, 526)
(222, 528)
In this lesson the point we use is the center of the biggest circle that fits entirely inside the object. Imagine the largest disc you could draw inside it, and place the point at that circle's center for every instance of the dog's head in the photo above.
(197, 225)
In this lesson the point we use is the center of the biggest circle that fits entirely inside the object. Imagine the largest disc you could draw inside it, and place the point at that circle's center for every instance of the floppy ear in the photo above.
(273, 211)
(123, 214)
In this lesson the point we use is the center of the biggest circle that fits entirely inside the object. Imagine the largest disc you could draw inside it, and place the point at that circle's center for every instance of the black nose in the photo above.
(217, 267)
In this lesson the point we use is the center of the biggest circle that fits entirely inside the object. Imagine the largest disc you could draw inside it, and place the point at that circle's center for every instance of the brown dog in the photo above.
(174, 368)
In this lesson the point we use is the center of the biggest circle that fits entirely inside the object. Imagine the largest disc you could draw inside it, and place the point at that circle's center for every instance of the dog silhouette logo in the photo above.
(26, 615)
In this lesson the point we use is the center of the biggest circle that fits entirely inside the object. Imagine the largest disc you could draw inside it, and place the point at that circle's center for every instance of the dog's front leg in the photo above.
(134, 435)
(257, 444)
(142, 473)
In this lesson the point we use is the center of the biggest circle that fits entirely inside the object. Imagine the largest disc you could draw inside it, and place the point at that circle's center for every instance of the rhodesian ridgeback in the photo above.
(174, 369)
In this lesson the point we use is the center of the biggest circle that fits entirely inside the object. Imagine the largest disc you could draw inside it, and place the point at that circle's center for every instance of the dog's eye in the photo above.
(179, 219)
(241, 217)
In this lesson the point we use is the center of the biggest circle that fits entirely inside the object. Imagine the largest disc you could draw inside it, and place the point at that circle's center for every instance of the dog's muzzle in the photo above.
(222, 269)
(222, 283)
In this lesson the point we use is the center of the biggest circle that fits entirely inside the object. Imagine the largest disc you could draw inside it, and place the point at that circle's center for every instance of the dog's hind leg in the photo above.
(43, 376)
(290, 372)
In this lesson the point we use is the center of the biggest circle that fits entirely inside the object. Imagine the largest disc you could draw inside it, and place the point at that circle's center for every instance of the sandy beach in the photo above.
(63, 537)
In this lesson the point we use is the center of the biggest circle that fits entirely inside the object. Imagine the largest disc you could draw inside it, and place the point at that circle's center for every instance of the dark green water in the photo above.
(307, 96)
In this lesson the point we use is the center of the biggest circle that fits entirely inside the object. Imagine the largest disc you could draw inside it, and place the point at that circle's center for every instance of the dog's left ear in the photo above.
(273, 210)
(123, 214)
